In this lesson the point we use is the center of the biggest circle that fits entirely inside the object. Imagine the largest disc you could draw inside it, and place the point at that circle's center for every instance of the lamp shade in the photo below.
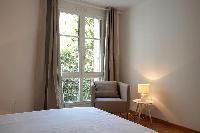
(143, 88)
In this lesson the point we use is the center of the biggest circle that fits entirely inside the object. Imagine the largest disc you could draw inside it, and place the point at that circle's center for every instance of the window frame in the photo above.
(81, 48)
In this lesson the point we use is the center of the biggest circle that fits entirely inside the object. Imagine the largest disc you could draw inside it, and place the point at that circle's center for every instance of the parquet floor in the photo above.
(158, 125)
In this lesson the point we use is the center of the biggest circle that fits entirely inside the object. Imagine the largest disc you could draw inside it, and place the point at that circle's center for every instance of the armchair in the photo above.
(111, 96)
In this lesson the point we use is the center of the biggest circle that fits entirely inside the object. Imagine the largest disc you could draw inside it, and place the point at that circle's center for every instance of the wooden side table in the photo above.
(143, 105)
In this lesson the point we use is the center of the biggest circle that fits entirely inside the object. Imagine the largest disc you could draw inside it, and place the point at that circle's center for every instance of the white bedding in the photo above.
(68, 120)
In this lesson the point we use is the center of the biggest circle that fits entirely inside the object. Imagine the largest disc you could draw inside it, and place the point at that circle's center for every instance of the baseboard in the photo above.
(4, 112)
(188, 130)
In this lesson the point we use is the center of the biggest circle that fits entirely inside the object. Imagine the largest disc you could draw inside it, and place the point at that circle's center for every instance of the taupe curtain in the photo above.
(48, 90)
(53, 95)
(111, 59)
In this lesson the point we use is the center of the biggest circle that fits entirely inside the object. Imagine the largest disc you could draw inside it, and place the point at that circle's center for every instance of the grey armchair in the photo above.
(111, 96)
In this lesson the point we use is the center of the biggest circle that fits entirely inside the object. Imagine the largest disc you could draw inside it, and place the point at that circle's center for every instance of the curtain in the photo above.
(53, 91)
(111, 54)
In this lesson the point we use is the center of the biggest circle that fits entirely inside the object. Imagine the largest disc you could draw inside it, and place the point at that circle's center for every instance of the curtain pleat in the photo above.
(53, 92)
(111, 55)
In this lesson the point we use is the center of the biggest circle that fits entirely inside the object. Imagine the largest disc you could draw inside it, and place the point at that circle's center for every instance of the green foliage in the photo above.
(89, 27)
(69, 56)
(71, 89)
(86, 89)
(89, 55)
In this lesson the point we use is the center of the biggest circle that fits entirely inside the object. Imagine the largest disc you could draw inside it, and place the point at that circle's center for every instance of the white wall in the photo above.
(18, 39)
(160, 44)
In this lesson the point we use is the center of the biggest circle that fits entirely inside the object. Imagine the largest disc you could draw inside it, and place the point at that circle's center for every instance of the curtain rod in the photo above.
(79, 2)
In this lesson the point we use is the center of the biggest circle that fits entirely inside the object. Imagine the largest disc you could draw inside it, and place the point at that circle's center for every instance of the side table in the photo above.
(143, 104)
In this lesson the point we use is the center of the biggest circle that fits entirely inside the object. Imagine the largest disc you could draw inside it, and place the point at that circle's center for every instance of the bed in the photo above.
(68, 120)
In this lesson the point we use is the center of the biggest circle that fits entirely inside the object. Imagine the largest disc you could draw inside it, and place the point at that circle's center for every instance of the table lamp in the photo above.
(143, 89)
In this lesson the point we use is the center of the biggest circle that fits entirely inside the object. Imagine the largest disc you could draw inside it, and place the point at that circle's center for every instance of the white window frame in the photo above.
(83, 12)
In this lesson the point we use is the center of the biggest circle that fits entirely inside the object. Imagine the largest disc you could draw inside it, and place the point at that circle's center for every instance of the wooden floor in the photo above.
(158, 125)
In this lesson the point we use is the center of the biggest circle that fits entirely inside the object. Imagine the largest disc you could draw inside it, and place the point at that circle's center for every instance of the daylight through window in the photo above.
(80, 55)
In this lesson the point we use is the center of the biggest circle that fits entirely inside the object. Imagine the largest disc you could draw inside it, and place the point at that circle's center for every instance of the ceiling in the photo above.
(121, 4)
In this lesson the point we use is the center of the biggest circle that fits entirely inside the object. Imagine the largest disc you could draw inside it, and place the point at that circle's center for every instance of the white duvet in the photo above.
(68, 120)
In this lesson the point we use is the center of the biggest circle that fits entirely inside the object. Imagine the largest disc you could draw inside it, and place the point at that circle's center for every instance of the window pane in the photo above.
(92, 56)
(87, 82)
(69, 55)
(92, 28)
(70, 89)
(68, 24)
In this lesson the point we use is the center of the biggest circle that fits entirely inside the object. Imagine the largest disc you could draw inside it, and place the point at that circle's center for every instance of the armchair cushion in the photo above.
(106, 89)
(107, 94)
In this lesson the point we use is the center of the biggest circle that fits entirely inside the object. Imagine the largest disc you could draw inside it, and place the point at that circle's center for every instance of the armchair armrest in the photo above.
(124, 91)
(92, 90)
